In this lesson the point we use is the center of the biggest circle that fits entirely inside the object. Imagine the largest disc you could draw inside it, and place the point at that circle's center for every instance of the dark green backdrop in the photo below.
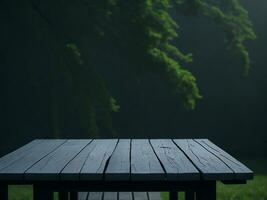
(232, 112)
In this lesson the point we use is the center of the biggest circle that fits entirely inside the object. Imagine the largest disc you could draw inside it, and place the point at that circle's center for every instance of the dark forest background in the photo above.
(232, 112)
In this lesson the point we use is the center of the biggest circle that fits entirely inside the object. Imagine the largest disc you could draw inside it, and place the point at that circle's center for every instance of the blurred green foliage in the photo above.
(253, 190)
(71, 46)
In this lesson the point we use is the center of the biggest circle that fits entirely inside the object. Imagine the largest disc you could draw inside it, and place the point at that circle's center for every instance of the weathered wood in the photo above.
(72, 170)
(125, 196)
(175, 163)
(122, 196)
(154, 196)
(207, 192)
(82, 195)
(40, 192)
(173, 195)
(141, 165)
(119, 163)
(3, 191)
(110, 196)
(50, 166)
(144, 162)
(241, 172)
(95, 196)
(210, 166)
(140, 195)
(17, 154)
(189, 195)
(97, 160)
(16, 170)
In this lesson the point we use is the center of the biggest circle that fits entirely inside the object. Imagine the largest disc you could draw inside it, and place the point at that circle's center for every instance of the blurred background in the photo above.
(40, 96)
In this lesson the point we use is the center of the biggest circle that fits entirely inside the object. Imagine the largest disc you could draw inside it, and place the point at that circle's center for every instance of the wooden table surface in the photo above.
(122, 160)
(120, 165)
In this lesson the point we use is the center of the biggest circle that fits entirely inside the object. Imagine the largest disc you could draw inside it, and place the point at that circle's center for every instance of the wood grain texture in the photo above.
(97, 160)
(72, 170)
(122, 160)
(120, 196)
(16, 170)
(17, 154)
(110, 196)
(241, 172)
(140, 195)
(95, 196)
(210, 166)
(49, 167)
(125, 196)
(154, 196)
(119, 163)
(82, 195)
(144, 163)
(174, 161)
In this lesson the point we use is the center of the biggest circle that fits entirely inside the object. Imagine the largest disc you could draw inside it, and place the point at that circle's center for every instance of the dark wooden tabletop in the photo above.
(122, 160)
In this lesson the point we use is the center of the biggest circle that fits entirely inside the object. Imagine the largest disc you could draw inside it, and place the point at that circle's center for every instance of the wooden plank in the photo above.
(154, 196)
(17, 154)
(82, 195)
(144, 162)
(95, 196)
(140, 196)
(97, 160)
(125, 196)
(119, 163)
(210, 166)
(50, 166)
(15, 171)
(72, 170)
(110, 196)
(241, 172)
(174, 161)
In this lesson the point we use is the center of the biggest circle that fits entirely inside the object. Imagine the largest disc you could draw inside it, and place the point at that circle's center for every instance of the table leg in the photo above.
(173, 195)
(189, 195)
(41, 192)
(63, 195)
(73, 195)
(3, 191)
(208, 192)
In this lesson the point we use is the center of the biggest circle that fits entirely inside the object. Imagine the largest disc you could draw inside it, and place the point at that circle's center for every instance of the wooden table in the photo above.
(190, 165)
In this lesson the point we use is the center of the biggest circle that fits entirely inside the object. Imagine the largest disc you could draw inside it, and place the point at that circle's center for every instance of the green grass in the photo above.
(22, 192)
(253, 190)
